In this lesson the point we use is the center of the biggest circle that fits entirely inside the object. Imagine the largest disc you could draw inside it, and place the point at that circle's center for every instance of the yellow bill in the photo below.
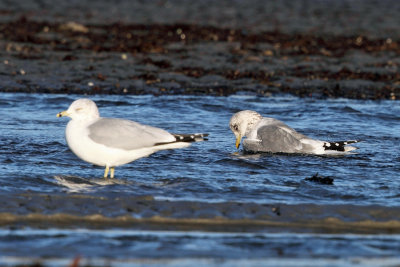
(238, 139)
(62, 114)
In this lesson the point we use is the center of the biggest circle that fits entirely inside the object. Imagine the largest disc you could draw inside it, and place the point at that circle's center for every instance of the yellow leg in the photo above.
(106, 171)
(112, 172)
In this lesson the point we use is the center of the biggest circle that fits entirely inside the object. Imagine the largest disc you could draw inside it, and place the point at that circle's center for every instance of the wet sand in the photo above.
(145, 213)
(306, 48)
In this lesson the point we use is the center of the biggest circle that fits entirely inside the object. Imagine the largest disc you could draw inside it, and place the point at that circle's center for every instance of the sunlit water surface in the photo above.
(36, 160)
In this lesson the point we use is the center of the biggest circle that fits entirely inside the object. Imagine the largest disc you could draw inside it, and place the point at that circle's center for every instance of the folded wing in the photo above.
(127, 135)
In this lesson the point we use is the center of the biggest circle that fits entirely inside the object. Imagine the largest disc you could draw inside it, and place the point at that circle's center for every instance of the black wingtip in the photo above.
(339, 145)
(191, 137)
(188, 138)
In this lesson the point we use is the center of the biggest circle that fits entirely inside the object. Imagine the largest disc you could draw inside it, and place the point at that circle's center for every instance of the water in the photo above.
(207, 203)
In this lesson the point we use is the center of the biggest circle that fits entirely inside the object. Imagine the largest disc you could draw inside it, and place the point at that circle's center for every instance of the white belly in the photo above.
(77, 136)
(78, 140)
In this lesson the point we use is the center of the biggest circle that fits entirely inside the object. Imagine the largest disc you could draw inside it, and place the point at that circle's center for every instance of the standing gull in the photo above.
(270, 135)
(112, 142)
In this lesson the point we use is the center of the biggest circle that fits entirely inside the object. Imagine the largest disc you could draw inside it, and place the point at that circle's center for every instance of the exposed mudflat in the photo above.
(307, 48)
(145, 213)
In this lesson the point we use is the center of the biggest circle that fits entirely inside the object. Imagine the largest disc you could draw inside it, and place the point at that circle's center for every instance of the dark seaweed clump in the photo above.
(316, 178)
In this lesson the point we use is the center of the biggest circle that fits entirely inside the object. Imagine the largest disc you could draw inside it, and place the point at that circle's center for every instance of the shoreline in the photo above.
(188, 59)
(146, 213)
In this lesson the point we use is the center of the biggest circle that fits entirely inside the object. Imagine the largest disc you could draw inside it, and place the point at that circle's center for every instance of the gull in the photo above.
(271, 135)
(111, 142)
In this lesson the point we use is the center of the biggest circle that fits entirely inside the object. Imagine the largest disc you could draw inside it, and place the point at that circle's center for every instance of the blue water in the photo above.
(33, 149)
(35, 160)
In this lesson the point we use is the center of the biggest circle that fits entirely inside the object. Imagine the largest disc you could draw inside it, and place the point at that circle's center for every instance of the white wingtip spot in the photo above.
(192, 136)
(336, 144)
(327, 144)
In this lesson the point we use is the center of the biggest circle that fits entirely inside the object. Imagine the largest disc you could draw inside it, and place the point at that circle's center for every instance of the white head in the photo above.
(82, 109)
(242, 123)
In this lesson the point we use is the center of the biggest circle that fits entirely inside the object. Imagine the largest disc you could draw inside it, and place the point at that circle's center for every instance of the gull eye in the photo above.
(235, 127)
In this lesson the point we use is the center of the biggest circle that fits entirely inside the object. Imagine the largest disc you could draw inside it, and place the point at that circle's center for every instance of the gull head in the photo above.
(242, 123)
(82, 109)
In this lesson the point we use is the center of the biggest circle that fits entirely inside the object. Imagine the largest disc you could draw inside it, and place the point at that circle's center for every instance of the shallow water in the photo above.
(207, 201)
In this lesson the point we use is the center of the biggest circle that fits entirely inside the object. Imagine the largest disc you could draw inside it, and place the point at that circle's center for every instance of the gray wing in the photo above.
(276, 137)
(127, 135)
